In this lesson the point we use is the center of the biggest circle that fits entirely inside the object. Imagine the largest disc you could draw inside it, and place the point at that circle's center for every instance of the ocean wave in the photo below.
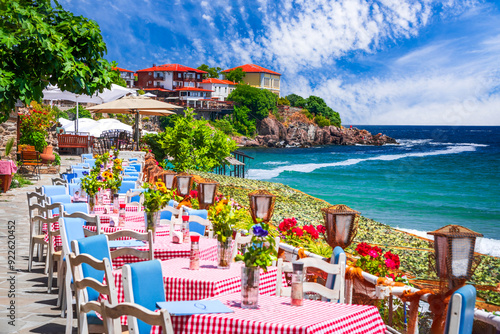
(413, 142)
(459, 144)
(275, 163)
(483, 245)
(263, 174)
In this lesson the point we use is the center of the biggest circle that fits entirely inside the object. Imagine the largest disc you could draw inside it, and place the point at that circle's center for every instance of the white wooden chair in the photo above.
(175, 219)
(334, 293)
(131, 194)
(35, 208)
(147, 236)
(88, 321)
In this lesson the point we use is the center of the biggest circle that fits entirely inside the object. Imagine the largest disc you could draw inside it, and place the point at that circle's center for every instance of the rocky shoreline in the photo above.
(273, 133)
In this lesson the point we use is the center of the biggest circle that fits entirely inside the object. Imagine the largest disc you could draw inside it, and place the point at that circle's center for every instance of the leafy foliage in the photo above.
(82, 113)
(42, 44)
(225, 126)
(156, 196)
(167, 121)
(236, 75)
(296, 100)
(242, 122)
(223, 219)
(115, 75)
(153, 141)
(21, 181)
(260, 252)
(258, 101)
(192, 144)
(321, 121)
(213, 72)
(8, 146)
(283, 101)
(317, 106)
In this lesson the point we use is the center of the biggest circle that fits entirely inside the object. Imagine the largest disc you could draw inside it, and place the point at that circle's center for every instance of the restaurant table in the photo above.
(276, 315)
(181, 283)
(7, 168)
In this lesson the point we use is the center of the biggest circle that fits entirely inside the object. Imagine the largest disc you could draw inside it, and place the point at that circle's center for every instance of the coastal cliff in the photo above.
(272, 133)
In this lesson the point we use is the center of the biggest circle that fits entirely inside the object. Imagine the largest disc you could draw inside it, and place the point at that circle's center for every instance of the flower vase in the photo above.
(250, 287)
(224, 252)
(151, 222)
(91, 204)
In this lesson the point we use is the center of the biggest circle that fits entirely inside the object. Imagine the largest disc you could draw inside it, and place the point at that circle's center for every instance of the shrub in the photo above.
(145, 119)
(307, 114)
(34, 138)
(153, 141)
(299, 116)
(321, 121)
(57, 161)
(225, 126)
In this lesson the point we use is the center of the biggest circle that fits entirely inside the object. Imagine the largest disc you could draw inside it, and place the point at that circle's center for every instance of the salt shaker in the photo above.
(116, 203)
(121, 215)
(297, 284)
(194, 259)
(185, 229)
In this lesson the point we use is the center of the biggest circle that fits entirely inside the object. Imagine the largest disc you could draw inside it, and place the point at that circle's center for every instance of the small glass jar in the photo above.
(99, 197)
(116, 203)
(121, 215)
(297, 284)
(185, 229)
(194, 259)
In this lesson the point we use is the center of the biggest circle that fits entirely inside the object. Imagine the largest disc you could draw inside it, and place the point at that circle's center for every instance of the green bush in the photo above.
(321, 121)
(225, 126)
(167, 121)
(57, 161)
(242, 122)
(145, 119)
(153, 141)
(82, 113)
(34, 138)
(307, 113)
(21, 181)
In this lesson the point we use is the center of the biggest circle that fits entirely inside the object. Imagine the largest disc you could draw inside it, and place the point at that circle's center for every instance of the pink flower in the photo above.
(390, 264)
(373, 253)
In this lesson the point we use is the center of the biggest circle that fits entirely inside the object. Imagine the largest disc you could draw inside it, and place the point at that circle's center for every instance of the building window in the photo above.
(198, 76)
(276, 83)
(179, 75)
(267, 82)
(149, 73)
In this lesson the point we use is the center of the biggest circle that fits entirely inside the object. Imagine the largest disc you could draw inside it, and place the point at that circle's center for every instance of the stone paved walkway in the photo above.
(35, 309)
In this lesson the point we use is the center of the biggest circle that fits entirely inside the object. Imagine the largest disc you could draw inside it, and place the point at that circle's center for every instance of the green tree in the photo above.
(115, 75)
(259, 101)
(317, 106)
(42, 44)
(242, 122)
(296, 100)
(192, 144)
(213, 72)
(283, 101)
(82, 113)
(168, 121)
(235, 75)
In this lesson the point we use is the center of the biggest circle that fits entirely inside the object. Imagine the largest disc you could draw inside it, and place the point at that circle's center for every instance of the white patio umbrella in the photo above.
(55, 93)
(137, 105)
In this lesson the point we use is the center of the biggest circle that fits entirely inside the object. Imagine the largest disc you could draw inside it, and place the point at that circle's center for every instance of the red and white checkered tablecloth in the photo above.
(108, 208)
(165, 249)
(275, 315)
(184, 284)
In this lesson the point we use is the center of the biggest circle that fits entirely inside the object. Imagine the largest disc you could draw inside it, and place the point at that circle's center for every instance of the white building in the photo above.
(220, 88)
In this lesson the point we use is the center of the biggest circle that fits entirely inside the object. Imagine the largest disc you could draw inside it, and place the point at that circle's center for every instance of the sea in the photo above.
(437, 175)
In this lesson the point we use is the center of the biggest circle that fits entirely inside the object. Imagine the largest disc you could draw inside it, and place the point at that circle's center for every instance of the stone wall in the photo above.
(8, 130)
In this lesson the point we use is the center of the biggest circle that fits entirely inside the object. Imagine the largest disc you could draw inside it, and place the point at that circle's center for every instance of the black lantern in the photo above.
(454, 252)
(261, 205)
(341, 224)
(168, 178)
(207, 189)
(184, 183)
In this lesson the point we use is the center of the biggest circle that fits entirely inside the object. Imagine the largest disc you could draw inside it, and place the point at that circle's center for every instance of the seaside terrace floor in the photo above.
(35, 309)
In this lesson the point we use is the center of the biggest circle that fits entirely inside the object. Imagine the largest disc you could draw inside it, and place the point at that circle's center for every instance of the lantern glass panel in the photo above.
(460, 252)
(441, 248)
(208, 193)
(262, 205)
(183, 183)
(342, 228)
(169, 180)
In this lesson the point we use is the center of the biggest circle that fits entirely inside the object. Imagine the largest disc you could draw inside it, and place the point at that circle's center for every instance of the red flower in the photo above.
(391, 264)
(321, 229)
(373, 253)
(193, 193)
(298, 231)
(392, 260)
(378, 250)
(363, 249)
(281, 226)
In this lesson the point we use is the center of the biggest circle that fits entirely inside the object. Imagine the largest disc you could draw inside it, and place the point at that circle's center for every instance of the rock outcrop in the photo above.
(273, 133)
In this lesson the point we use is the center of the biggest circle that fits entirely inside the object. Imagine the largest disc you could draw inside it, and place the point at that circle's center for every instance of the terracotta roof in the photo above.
(171, 68)
(121, 69)
(219, 81)
(252, 68)
(192, 89)
(158, 89)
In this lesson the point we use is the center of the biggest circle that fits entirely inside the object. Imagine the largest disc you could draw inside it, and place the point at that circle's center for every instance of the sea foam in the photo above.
(263, 174)
(483, 245)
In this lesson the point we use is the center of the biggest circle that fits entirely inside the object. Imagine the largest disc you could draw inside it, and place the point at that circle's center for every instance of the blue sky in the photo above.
(375, 62)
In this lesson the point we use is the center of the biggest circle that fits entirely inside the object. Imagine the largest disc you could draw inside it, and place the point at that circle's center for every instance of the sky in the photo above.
(387, 62)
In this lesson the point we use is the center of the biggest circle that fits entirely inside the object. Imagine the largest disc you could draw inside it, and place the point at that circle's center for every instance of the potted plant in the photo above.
(91, 183)
(155, 198)
(8, 167)
(260, 254)
(223, 220)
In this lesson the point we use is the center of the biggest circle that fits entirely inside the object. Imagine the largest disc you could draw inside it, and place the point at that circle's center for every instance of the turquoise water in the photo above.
(437, 176)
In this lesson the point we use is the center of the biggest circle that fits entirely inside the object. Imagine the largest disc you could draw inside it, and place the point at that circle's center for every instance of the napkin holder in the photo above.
(177, 237)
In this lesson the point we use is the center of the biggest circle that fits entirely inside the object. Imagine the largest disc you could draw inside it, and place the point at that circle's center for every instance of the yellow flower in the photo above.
(107, 175)
(161, 187)
(220, 206)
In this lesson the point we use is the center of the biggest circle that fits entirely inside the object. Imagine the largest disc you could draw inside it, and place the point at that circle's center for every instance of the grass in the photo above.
(21, 181)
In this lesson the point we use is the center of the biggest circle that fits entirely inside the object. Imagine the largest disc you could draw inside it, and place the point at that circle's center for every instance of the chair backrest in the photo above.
(80, 172)
(135, 311)
(54, 190)
(122, 251)
(84, 165)
(60, 199)
(76, 180)
(87, 156)
(91, 162)
(146, 295)
(130, 178)
(460, 317)
(68, 176)
(134, 195)
(339, 258)
(331, 269)
(199, 223)
(75, 207)
(240, 240)
(40, 199)
(57, 181)
(126, 186)
(83, 284)
(89, 220)
(96, 246)
(136, 166)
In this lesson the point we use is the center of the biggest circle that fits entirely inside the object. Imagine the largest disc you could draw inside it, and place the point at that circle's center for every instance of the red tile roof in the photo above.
(252, 68)
(192, 89)
(121, 69)
(158, 89)
(218, 81)
(172, 68)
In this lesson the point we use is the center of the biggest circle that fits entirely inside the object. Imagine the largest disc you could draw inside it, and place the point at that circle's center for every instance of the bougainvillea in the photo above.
(372, 261)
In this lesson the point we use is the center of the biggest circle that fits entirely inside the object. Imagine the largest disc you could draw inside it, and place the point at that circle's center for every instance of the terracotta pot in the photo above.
(47, 154)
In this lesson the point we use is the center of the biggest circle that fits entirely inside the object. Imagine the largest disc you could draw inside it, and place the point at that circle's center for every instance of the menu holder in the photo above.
(190, 307)
(125, 243)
